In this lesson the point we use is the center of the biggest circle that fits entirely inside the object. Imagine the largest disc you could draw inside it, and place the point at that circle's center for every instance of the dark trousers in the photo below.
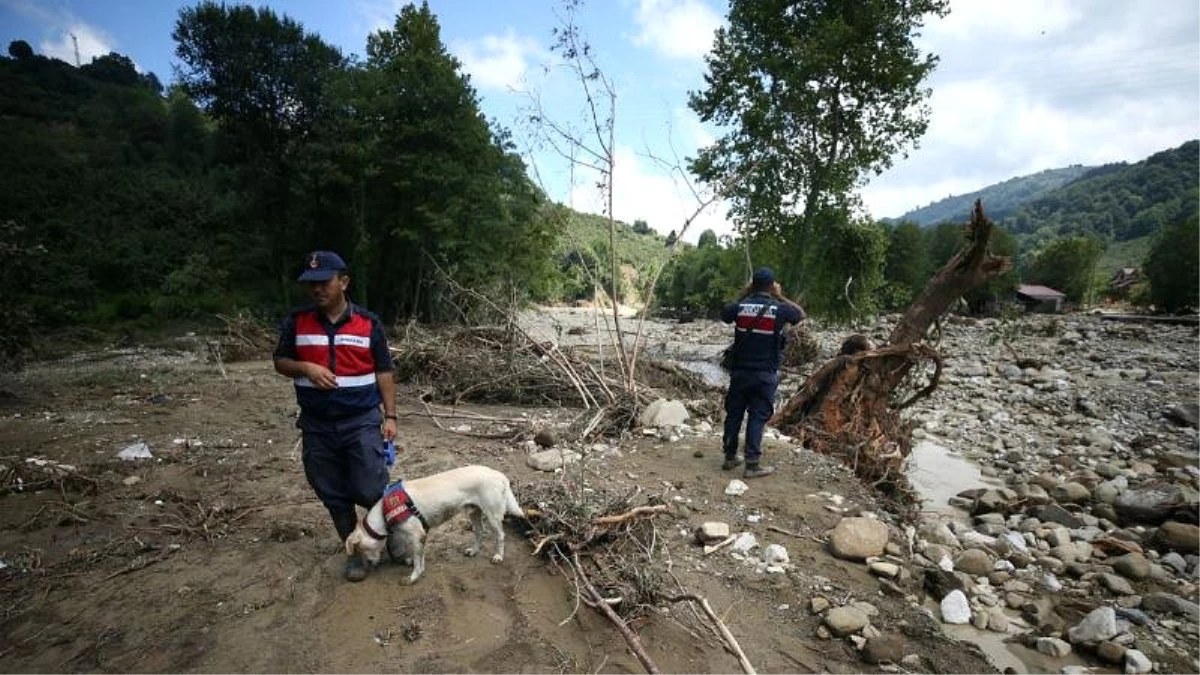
(346, 464)
(753, 392)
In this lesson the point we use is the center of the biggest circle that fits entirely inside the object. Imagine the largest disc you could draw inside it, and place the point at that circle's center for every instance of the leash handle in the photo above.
(390, 450)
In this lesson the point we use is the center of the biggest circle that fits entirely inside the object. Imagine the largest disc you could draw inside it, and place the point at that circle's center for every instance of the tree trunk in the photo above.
(851, 405)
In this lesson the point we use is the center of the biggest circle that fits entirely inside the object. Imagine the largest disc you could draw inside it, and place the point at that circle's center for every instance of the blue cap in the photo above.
(763, 276)
(322, 266)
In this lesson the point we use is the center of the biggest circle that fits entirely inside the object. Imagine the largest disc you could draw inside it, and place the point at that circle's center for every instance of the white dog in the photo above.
(484, 493)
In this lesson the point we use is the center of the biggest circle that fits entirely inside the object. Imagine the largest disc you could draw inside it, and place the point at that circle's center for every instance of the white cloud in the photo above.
(497, 61)
(646, 191)
(93, 42)
(679, 29)
(375, 15)
(1024, 86)
(58, 24)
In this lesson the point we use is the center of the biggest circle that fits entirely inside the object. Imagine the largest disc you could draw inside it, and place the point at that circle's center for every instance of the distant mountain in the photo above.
(1116, 202)
(999, 200)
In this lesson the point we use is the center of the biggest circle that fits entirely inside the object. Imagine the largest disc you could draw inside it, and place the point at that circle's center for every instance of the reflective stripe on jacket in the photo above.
(345, 349)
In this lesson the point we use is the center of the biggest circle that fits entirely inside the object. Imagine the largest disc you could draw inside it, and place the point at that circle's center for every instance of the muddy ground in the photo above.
(215, 556)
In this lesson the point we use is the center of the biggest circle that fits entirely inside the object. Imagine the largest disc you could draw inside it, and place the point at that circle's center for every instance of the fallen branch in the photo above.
(632, 513)
(599, 604)
(730, 641)
(717, 547)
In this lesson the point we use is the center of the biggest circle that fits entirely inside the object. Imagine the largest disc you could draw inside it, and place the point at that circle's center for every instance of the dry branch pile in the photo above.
(501, 364)
(606, 543)
(246, 337)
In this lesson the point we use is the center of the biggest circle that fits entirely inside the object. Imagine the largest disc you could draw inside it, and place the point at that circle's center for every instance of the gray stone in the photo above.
(858, 538)
(1058, 537)
(1132, 565)
(1150, 504)
(1187, 414)
(549, 460)
(775, 554)
(1099, 624)
(1174, 561)
(843, 621)
(885, 648)
(1116, 584)
(1169, 603)
(817, 604)
(1053, 513)
(1137, 662)
(1106, 493)
(545, 438)
(938, 533)
(1182, 537)
(1053, 647)
(997, 620)
(663, 413)
(712, 531)
(1107, 470)
(955, 608)
(1110, 652)
(884, 569)
(1072, 493)
(974, 562)
(1134, 616)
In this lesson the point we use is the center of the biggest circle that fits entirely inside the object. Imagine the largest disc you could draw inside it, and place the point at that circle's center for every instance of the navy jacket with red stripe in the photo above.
(353, 348)
(758, 338)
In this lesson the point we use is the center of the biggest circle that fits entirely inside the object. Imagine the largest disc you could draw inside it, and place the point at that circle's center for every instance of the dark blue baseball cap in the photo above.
(322, 266)
(763, 276)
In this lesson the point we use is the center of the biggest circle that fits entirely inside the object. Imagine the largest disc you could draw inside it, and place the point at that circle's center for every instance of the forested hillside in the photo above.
(119, 202)
(1116, 202)
(1002, 199)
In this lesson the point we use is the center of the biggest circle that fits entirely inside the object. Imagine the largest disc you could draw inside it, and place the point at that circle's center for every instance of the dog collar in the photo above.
(370, 530)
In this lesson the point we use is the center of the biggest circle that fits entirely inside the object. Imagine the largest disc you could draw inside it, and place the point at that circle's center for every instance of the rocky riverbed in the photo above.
(1061, 476)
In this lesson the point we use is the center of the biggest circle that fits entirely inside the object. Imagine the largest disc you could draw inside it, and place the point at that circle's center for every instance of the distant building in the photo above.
(1123, 280)
(1040, 298)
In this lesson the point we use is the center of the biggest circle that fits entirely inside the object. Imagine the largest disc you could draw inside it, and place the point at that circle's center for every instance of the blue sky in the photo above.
(1023, 85)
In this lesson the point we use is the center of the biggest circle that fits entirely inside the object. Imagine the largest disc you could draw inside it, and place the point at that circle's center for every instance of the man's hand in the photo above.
(389, 431)
(320, 376)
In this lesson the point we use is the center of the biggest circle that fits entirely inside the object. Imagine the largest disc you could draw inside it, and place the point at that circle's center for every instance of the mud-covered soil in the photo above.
(214, 555)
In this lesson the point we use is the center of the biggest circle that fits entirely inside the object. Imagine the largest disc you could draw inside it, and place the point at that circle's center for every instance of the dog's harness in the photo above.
(397, 508)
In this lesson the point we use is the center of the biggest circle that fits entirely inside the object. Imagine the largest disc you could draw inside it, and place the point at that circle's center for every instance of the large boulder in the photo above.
(1186, 414)
(1177, 536)
(1151, 503)
(1100, 624)
(663, 413)
(858, 538)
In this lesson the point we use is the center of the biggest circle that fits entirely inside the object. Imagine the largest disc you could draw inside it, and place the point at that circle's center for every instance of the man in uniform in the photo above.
(337, 356)
(760, 314)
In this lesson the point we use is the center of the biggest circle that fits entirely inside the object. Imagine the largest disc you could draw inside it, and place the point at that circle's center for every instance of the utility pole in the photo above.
(75, 41)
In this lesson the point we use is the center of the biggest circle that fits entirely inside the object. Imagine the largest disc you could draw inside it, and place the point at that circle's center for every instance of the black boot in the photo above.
(756, 470)
(355, 569)
(731, 462)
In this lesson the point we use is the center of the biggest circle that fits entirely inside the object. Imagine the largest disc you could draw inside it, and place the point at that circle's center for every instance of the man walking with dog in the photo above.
(337, 356)
(760, 314)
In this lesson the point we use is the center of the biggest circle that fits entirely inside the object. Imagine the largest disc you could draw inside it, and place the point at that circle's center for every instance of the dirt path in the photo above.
(215, 556)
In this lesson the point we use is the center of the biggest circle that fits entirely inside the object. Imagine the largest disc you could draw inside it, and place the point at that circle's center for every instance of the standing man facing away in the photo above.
(759, 315)
(337, 356)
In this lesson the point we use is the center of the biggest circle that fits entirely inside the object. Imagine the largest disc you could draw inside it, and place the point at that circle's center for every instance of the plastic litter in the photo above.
(139, 450)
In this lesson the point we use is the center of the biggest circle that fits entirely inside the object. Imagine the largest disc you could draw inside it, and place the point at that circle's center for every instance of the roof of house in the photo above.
(1039, 292)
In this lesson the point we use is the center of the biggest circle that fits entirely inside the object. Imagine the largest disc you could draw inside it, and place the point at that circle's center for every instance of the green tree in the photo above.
(262, 77)
(816, 95)
(641, 227)
(1069, 265)
(20, 49)
(1173, 266)
(906, 265)
(843, 269)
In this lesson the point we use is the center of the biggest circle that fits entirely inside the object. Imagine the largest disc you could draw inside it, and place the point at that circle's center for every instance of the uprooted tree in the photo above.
(851, 405)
